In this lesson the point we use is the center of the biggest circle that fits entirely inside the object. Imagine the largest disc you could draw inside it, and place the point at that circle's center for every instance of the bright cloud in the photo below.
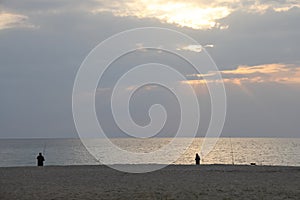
(196, 14)
(182, 13)
(278, 6)
(194, 48)
(209, 46)
(10, 20)
(278, 73)
(261, 69)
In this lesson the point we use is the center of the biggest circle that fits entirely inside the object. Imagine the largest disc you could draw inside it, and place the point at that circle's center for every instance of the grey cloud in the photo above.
(253, 39)
(38, 67)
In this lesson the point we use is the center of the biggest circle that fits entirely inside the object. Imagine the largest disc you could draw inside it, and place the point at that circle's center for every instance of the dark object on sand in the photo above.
(197, 159)
(40, 160)
(253, 163)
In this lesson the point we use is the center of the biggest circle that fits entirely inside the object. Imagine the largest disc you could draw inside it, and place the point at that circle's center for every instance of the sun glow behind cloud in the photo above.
(189, 15)
(182, 13)
(196, 14)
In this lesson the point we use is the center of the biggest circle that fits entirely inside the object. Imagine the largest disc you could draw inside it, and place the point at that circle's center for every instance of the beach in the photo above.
(173, 182)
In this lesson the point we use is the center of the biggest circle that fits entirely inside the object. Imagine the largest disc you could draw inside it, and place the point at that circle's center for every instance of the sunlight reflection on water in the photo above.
(262, 151)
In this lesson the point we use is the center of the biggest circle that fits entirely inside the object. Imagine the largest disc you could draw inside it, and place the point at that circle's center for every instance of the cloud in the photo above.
(11, 20)
(194, 48)
(268, 73)
(36, 82)
(182, 13)
(194, 14)
(262, 6)
(209, 46)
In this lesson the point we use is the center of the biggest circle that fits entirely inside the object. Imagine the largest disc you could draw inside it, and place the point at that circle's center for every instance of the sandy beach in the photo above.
(173, 182)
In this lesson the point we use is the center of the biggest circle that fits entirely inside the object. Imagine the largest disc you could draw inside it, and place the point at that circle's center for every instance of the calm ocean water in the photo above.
(262, 151)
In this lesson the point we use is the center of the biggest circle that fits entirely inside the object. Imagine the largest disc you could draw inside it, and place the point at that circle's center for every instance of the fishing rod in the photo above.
(44, 148)
(232, 155)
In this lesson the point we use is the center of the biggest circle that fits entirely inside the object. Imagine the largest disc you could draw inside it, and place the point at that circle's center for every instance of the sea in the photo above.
(238, 151)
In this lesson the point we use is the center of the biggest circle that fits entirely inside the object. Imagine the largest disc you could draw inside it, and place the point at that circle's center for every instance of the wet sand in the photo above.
(173, 182)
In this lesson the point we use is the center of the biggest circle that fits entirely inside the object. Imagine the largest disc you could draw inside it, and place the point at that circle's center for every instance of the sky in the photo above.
(254, 43)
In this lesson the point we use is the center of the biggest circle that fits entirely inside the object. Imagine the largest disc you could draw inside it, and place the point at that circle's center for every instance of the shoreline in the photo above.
(171, 182)
(166, 165)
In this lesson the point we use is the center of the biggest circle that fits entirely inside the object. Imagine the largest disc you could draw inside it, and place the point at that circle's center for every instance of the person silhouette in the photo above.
(40, 160)
(197, 159)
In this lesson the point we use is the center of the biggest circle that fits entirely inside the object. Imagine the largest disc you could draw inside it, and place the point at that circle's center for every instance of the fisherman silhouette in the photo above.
(197, 159)
(40, 160)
